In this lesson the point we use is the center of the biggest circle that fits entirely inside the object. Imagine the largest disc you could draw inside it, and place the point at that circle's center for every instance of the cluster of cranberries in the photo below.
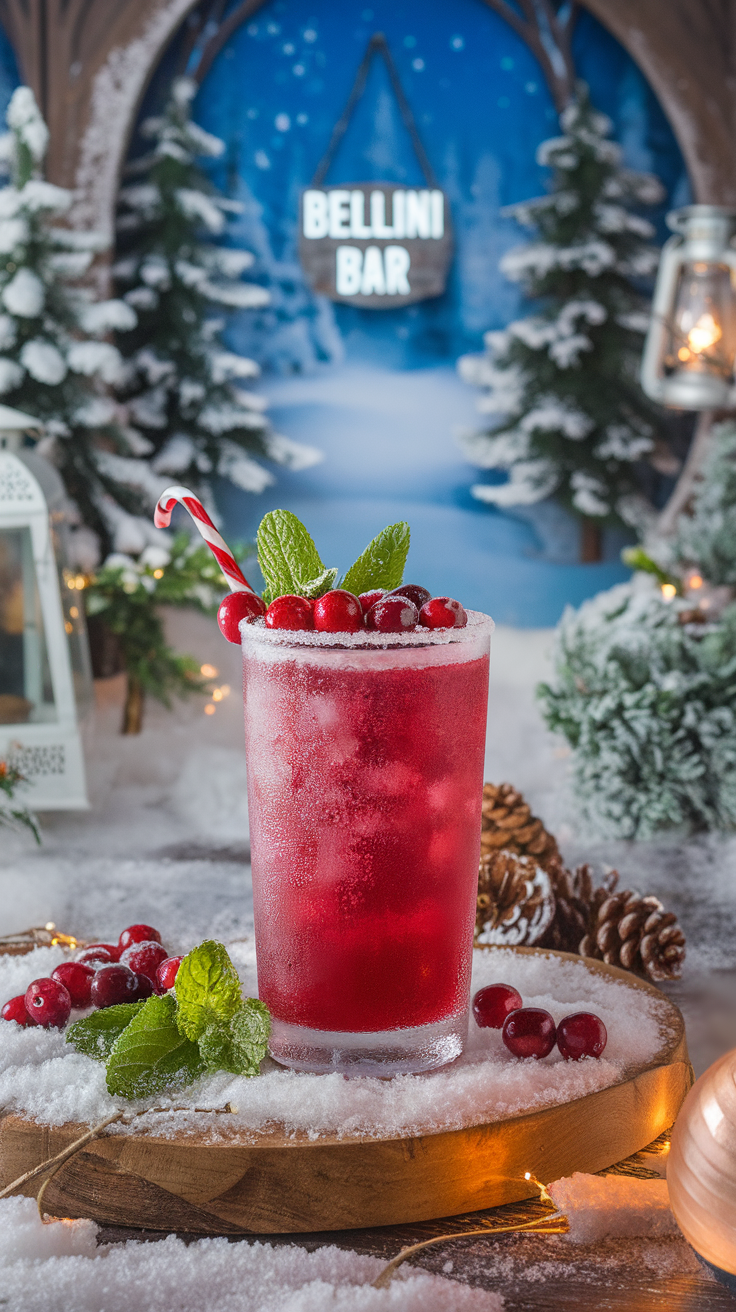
(101, 975)
(338, 611)
(531, 1031)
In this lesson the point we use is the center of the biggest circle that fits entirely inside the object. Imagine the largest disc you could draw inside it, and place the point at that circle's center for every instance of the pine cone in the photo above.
(508, 824)
(516, 903)
(637, 933)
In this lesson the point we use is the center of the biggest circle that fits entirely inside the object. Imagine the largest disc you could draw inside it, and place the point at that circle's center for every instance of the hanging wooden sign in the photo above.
(375, 244)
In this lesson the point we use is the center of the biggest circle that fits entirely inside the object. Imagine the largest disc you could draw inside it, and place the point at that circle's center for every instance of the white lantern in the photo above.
(43, 650)
(690, 349)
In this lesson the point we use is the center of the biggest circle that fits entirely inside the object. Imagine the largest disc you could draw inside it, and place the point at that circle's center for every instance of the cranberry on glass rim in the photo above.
(529, 1032)
(112, 985)
(368, 599)
(76, 978)
(443, 613)
(392, 615)
(237, 606)
(582, 1034)
(48, 1003)
(15, 1009)
(492, 1005)
(144, 958)
(338, 611)
(414, 591)
(290, 612)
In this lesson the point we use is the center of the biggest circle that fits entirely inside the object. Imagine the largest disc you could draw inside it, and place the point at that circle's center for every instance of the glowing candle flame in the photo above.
(704, 334)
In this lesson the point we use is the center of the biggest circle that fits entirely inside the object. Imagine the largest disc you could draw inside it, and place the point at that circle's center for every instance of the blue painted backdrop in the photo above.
(377, 391)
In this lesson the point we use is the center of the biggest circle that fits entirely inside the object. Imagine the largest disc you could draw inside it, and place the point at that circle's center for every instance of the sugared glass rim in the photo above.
(478, 625)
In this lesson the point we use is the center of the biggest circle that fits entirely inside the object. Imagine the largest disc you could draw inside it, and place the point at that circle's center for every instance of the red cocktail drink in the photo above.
(365, 771)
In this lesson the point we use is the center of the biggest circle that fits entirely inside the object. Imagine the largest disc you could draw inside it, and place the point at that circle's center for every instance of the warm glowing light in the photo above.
(668, 591)
(683, 354)
(74, 612)
(69, 627)
(544, 1194)
(81, 582)
(704, 334)
(158, 573)
(220, 693)
(210, 709)
(208, 671)
(695, 581)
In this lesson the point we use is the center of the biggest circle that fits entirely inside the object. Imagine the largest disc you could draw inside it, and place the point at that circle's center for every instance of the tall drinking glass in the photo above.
(365, 773)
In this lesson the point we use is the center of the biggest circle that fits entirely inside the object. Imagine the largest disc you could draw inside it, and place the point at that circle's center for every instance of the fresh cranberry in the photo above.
(414, 592)
(143, 988)
(166, 974)
(113, 984)
(392, 615)
(368, 599)
(237, 606)
(48, 1003)
(529, 1032)
(76, 979)
(138, 934)
(100, 954)
(290, 612)
(443, 613)
(492, 1005)
(144, 958)
(338, 612)
(15, 1009)
(581, 1035)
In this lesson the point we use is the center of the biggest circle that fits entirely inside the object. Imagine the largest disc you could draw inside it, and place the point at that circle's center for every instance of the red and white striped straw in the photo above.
(237, 581)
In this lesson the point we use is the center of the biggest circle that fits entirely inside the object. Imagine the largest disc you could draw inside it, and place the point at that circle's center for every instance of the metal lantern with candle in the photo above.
(45, 680)
(688, 361)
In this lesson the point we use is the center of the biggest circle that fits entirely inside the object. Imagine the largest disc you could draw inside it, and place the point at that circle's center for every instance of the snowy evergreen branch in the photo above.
(53, 364)
(561, 385)
(644, 687)
(184, 393)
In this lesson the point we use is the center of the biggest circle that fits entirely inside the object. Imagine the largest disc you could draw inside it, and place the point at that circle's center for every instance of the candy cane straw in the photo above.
(237, 581)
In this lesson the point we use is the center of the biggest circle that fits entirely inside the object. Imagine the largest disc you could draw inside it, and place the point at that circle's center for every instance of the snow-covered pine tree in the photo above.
(185, 395)
(644, 684)
(53, 364)
(568, 417)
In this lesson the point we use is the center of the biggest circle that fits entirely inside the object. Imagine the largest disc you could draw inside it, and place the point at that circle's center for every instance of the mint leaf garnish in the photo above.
(240, 1045)
(207, 989)
(250, 1028)
(286, 554)
(317, 587)
(151, 1054)
(96, 1034)
(382, 563)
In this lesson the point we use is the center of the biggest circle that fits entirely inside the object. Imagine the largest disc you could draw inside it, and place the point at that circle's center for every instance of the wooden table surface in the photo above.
(533, 1273)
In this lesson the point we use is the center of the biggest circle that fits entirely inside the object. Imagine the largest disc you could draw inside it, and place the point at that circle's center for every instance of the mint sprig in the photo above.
(168, 1042)
(207, 989)
(152, 1054)
(96, 1034)
(289, 560)
(382, 563)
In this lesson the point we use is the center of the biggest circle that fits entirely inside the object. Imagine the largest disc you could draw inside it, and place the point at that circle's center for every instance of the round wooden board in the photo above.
(268, 1183)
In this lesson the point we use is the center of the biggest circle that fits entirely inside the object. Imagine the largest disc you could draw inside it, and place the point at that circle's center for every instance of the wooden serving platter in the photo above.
(271, 1183)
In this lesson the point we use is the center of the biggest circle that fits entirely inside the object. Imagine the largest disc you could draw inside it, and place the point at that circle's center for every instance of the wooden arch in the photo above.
(89, 62)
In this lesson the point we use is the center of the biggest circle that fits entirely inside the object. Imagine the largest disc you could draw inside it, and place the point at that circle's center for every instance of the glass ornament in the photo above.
(701, 1170)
